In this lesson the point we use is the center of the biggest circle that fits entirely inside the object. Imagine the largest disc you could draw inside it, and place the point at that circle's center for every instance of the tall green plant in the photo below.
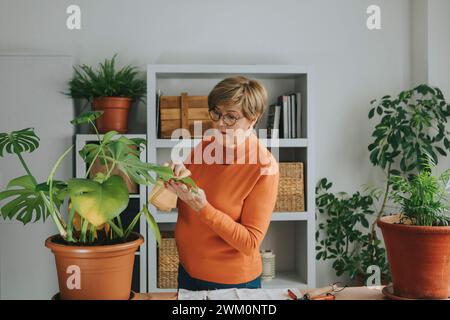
(100, 200)
(412, 125)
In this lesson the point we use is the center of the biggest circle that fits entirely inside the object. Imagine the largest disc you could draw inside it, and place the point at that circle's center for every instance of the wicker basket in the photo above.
(291, 195)
(167, 261)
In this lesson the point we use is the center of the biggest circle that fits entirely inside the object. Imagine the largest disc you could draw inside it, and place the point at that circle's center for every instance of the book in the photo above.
(289, 117)
(299, 114)
(270, 120)
(158, 95)
(282, 101)
(273, 120)
(276, 120)
(293, 117)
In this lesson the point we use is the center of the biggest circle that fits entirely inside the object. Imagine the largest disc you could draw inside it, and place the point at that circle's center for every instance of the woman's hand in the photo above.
(196, 200)
(179, 170)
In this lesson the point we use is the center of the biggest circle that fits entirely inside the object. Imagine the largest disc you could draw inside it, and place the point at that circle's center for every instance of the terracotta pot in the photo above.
(95, 272)
(419, 258)
(115, 116)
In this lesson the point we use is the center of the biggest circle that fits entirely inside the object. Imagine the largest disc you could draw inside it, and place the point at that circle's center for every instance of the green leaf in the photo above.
(153, 225)
(441, 151)
(18, 141)
(99, 202)
(87, 117)
(27, 201)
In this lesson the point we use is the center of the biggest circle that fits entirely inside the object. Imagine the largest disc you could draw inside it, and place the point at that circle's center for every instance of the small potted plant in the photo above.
(109, 90)
(94, 250)
(418, 239)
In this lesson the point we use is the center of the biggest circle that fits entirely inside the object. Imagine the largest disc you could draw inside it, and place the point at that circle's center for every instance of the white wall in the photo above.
(431, 48)
(353, 65)
(30, 96)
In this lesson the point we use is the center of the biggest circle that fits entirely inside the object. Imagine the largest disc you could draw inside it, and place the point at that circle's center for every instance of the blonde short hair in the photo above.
(249, 94)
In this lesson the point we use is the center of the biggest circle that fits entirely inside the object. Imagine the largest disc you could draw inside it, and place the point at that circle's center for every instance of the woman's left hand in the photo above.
(195, 200)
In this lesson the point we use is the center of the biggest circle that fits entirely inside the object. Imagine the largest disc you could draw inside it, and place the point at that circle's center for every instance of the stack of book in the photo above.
(285, 116)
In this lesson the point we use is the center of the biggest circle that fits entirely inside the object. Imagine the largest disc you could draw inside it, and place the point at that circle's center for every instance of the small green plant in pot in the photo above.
(109, 90)
(94, 250)
(418, 238)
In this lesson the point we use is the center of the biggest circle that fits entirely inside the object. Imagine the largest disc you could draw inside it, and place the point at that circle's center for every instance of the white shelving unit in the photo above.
(291, 234)
(80, 171)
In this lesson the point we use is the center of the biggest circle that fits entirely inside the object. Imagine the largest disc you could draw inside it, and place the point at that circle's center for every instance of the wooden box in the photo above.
(181, 112)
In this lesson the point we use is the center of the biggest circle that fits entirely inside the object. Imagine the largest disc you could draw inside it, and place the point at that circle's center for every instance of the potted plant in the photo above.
(410, 125)
(94, 251)
(418, 239)
(109, 90)
(344, 238)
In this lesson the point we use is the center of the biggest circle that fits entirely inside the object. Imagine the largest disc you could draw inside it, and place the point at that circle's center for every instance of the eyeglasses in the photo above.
(228, 119)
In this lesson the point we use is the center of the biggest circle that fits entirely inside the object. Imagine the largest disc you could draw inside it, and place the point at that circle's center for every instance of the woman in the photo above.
(220, 228)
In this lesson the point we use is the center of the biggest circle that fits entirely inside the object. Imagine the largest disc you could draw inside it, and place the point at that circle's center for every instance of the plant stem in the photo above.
(70, 225)
(383, 205)
(26, 168)
(101, 144)
(116, 229)
(84, 228)
(56, 219)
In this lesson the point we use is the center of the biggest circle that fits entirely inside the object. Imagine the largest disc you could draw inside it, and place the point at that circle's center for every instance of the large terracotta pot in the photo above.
(419, 258)
(115, 116)
(95, 272)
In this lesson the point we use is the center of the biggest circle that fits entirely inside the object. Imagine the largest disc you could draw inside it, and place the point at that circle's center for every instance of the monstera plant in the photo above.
(93, 238)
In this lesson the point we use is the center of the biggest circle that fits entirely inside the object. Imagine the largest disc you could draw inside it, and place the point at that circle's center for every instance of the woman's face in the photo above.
(231, 114)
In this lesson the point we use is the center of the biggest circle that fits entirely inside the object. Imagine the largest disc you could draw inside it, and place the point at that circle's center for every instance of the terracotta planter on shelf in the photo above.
(115, 116)
(104, 272)
(419, 258)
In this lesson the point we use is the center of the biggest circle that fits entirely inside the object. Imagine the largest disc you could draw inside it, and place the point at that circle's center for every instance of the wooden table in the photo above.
(350, 293)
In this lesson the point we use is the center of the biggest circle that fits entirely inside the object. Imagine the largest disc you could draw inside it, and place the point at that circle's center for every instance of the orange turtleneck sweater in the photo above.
(221, 242)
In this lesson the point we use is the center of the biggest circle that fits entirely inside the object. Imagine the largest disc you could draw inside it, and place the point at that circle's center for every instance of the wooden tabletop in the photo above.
(350, 293)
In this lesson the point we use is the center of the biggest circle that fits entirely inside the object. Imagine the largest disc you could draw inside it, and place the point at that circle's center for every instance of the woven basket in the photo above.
(291, 195)
(167, 261)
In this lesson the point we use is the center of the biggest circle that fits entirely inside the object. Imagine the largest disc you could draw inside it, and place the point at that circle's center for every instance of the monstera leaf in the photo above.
(98, 202)
(27, 200)
(18, 141)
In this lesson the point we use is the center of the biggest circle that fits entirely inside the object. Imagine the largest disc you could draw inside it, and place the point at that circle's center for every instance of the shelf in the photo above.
(166, 217)
(284, 280)
(190, 143)
(93, 136)
(297, 229)
(276, 216)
